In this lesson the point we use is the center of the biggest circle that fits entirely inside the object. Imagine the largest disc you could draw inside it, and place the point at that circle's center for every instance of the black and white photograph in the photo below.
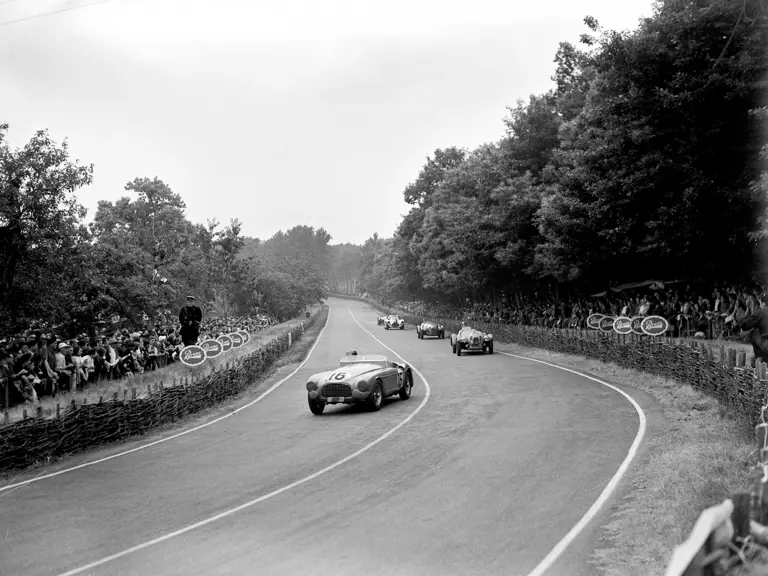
(344, 288)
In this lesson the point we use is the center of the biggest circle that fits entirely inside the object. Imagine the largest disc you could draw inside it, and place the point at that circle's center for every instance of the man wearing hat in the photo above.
(190, 317)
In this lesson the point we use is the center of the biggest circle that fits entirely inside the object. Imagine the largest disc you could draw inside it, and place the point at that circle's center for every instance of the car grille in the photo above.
(474, 341)
(333, 390)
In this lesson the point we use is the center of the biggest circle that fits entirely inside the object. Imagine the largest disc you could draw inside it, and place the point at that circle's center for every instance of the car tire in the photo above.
(405, 391)
(377, 397)
(386, 327)
(402, 327)
(453, 346)
(458, 350)
(315, 406)
(490, 348)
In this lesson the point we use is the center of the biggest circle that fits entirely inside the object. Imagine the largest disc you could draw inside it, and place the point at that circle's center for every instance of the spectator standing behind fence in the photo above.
(757, 326)
(190, 317)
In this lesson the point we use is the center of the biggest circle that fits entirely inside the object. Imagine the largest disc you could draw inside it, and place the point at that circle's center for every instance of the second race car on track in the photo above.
(430, 329)
(471, 340)
(393, 322)
(359, 379)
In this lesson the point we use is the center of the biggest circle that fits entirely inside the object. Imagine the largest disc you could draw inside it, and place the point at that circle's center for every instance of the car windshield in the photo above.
(378, 361)
(466, 331)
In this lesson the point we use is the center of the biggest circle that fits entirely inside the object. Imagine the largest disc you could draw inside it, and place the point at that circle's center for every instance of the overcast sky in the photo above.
(279, 113)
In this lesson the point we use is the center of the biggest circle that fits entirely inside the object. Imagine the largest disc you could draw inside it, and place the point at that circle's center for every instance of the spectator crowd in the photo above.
(38, 363)
(692, 310)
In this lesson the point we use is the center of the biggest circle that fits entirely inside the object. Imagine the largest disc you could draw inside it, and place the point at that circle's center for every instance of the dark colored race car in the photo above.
(471, 340)
(430, 329)
(359, 379)
(394, 322)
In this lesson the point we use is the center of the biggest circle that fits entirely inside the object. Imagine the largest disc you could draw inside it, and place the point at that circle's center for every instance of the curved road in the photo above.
(503, 457)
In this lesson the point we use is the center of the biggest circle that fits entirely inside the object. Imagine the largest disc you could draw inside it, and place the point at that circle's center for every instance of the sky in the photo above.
(279, 113)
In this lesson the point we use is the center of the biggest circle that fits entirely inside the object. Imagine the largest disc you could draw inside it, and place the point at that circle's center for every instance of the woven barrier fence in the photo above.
(725, 374)
(85, 426)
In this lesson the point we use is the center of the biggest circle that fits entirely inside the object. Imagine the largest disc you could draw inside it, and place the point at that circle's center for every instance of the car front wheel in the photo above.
(377, 397)
(315, 406)
(405, 391)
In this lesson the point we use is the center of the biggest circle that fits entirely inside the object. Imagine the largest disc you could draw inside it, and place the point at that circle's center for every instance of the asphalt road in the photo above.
(504, 457)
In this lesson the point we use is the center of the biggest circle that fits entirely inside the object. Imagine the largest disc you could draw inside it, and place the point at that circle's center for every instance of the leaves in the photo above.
(641, 162)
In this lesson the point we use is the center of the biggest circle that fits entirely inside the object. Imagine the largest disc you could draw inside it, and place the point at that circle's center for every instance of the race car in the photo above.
(381, 319)
(359, 379)
(471, 340)
(430, 329)
(394, 322)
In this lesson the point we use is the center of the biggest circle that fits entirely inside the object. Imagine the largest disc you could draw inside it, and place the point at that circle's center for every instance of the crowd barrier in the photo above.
(719, 540)
(85, 425)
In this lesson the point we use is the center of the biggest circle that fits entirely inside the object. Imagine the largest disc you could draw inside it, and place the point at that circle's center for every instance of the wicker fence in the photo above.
(84, 426)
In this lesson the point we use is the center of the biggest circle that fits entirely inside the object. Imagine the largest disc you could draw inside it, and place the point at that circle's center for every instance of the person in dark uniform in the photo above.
(757, 326)
(190, 317)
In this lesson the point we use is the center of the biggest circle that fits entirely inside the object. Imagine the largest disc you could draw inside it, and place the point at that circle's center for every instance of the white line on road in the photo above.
(160, 441)
(251, 503)
(574, 532)
(568, 539)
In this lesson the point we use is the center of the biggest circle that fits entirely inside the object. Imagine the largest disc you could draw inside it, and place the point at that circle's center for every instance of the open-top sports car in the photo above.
(471, 340)
(381, 319)
(394, 322)
(430, 329)
(365, 379)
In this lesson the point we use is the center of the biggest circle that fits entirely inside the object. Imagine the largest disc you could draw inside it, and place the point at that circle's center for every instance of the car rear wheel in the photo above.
(405, 391)
(315, 406)
(377, 397)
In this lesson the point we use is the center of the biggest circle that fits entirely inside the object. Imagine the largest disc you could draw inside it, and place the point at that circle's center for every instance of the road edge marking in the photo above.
(607, 492)
(260, 499)
(3, 489)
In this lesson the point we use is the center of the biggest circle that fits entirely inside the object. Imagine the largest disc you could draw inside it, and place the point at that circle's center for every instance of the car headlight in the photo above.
(363, 386)
(311, 386)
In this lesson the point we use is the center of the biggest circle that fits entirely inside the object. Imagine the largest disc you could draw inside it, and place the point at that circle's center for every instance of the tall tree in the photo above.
(41, 226)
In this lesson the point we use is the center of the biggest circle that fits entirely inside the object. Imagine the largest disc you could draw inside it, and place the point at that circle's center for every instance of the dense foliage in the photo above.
(139, 258)
(642, 162)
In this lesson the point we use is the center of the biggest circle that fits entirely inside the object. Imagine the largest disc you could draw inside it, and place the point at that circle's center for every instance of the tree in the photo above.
(41, 227)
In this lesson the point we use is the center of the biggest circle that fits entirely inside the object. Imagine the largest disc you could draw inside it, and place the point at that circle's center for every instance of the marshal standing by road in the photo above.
(190, 317)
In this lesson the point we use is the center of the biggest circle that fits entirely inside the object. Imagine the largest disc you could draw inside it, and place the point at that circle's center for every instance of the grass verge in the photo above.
(702, 454)
(169, 376)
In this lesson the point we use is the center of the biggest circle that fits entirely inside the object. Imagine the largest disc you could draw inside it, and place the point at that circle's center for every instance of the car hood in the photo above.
(352, 372)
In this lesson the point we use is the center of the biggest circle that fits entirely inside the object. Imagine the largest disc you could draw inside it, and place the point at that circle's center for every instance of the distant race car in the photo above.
(381, 319)
(430, 329)
(394, 322)
(359, 379)
(471, 340)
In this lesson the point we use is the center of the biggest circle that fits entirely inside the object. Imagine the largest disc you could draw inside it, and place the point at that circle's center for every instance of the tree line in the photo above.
(647, 159)
(139, 258)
